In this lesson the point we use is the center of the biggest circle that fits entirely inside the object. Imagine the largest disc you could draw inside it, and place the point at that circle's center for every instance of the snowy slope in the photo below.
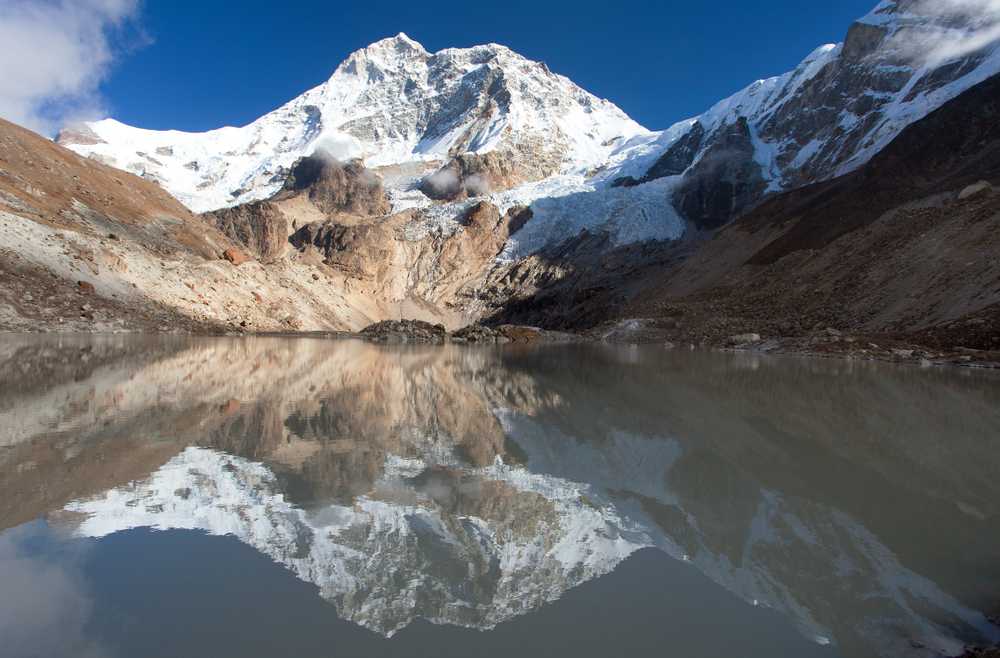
(840, 106)
(590, 166)
(390, 103)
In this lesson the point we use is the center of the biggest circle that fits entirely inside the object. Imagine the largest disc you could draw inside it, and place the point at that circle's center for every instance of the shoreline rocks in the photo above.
(400, 332)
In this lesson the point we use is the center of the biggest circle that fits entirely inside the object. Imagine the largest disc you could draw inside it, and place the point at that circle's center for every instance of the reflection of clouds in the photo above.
(470, 486)
(44, 603)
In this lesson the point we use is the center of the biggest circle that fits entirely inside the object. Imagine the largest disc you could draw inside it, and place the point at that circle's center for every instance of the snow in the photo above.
(389, 104)
(564, 206)
(394, 104)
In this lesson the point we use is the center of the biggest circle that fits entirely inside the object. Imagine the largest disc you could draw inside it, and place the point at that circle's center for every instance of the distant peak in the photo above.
(399, 45)
(387, 52)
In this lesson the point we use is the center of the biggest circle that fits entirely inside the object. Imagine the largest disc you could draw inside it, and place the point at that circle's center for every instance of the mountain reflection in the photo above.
(468, 486)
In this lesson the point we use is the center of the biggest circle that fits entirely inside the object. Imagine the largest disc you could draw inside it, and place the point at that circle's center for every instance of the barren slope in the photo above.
(90, 248)
(907, 243)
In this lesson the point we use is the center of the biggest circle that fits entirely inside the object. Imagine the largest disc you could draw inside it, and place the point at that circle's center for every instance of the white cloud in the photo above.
(45, 603)
(340, 146)
(53, 56)
(964, 27)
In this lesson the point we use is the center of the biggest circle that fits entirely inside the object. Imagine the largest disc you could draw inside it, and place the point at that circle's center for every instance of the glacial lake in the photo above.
(185, 496)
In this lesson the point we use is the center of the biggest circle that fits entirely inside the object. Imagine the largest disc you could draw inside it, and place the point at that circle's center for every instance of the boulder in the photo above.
(518, 333)
(977, 190)
(399, 332)
(234, 257)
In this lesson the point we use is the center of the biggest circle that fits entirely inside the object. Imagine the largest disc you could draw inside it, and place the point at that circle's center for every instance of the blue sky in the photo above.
(201, 64)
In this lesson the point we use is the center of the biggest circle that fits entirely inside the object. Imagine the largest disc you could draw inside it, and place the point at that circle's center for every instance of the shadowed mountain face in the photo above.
(469, 486)
(903, 245)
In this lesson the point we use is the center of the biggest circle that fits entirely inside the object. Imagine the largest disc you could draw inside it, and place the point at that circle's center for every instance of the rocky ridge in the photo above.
(843, 104)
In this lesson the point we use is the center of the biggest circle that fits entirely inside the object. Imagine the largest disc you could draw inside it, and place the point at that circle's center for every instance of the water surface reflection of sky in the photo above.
(781, 506)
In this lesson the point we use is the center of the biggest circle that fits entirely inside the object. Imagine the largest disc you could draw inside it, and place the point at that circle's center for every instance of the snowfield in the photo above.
(406, 112)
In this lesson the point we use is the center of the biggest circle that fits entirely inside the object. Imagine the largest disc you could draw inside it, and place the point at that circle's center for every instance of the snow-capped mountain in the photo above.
(840, 106)
(577, 160)
(392, 103)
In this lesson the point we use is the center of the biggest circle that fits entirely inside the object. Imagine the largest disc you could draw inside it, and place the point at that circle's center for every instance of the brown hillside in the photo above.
(909, 242)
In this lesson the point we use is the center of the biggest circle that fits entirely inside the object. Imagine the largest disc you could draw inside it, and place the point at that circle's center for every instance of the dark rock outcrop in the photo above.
(466, 176)
(336, 188)
(517, 217)
(674, 162)
(405, 331)
(259, 226)
(726, 181)
(862, 40)
(470, 175)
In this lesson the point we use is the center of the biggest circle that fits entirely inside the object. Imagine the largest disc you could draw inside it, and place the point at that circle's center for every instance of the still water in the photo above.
(264, 496)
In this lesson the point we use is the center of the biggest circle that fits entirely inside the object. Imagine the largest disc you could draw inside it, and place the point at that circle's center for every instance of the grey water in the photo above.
(168, 496)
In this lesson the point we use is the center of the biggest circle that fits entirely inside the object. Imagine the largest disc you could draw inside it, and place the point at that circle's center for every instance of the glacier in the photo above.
(407, 112)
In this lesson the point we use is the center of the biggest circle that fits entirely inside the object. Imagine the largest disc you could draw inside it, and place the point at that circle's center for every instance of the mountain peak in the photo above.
(387, 53)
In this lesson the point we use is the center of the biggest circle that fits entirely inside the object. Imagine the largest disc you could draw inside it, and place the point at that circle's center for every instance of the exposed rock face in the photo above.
(674, 162)
(466, 176)
(840, 107)
(576, 284)
(80, 134)
(433, 268)
(335, 188)
(862, 40)
(517, 217)
(364, 252)
(463, 177)
(259, 226)
(725, 182)
(471, 175)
